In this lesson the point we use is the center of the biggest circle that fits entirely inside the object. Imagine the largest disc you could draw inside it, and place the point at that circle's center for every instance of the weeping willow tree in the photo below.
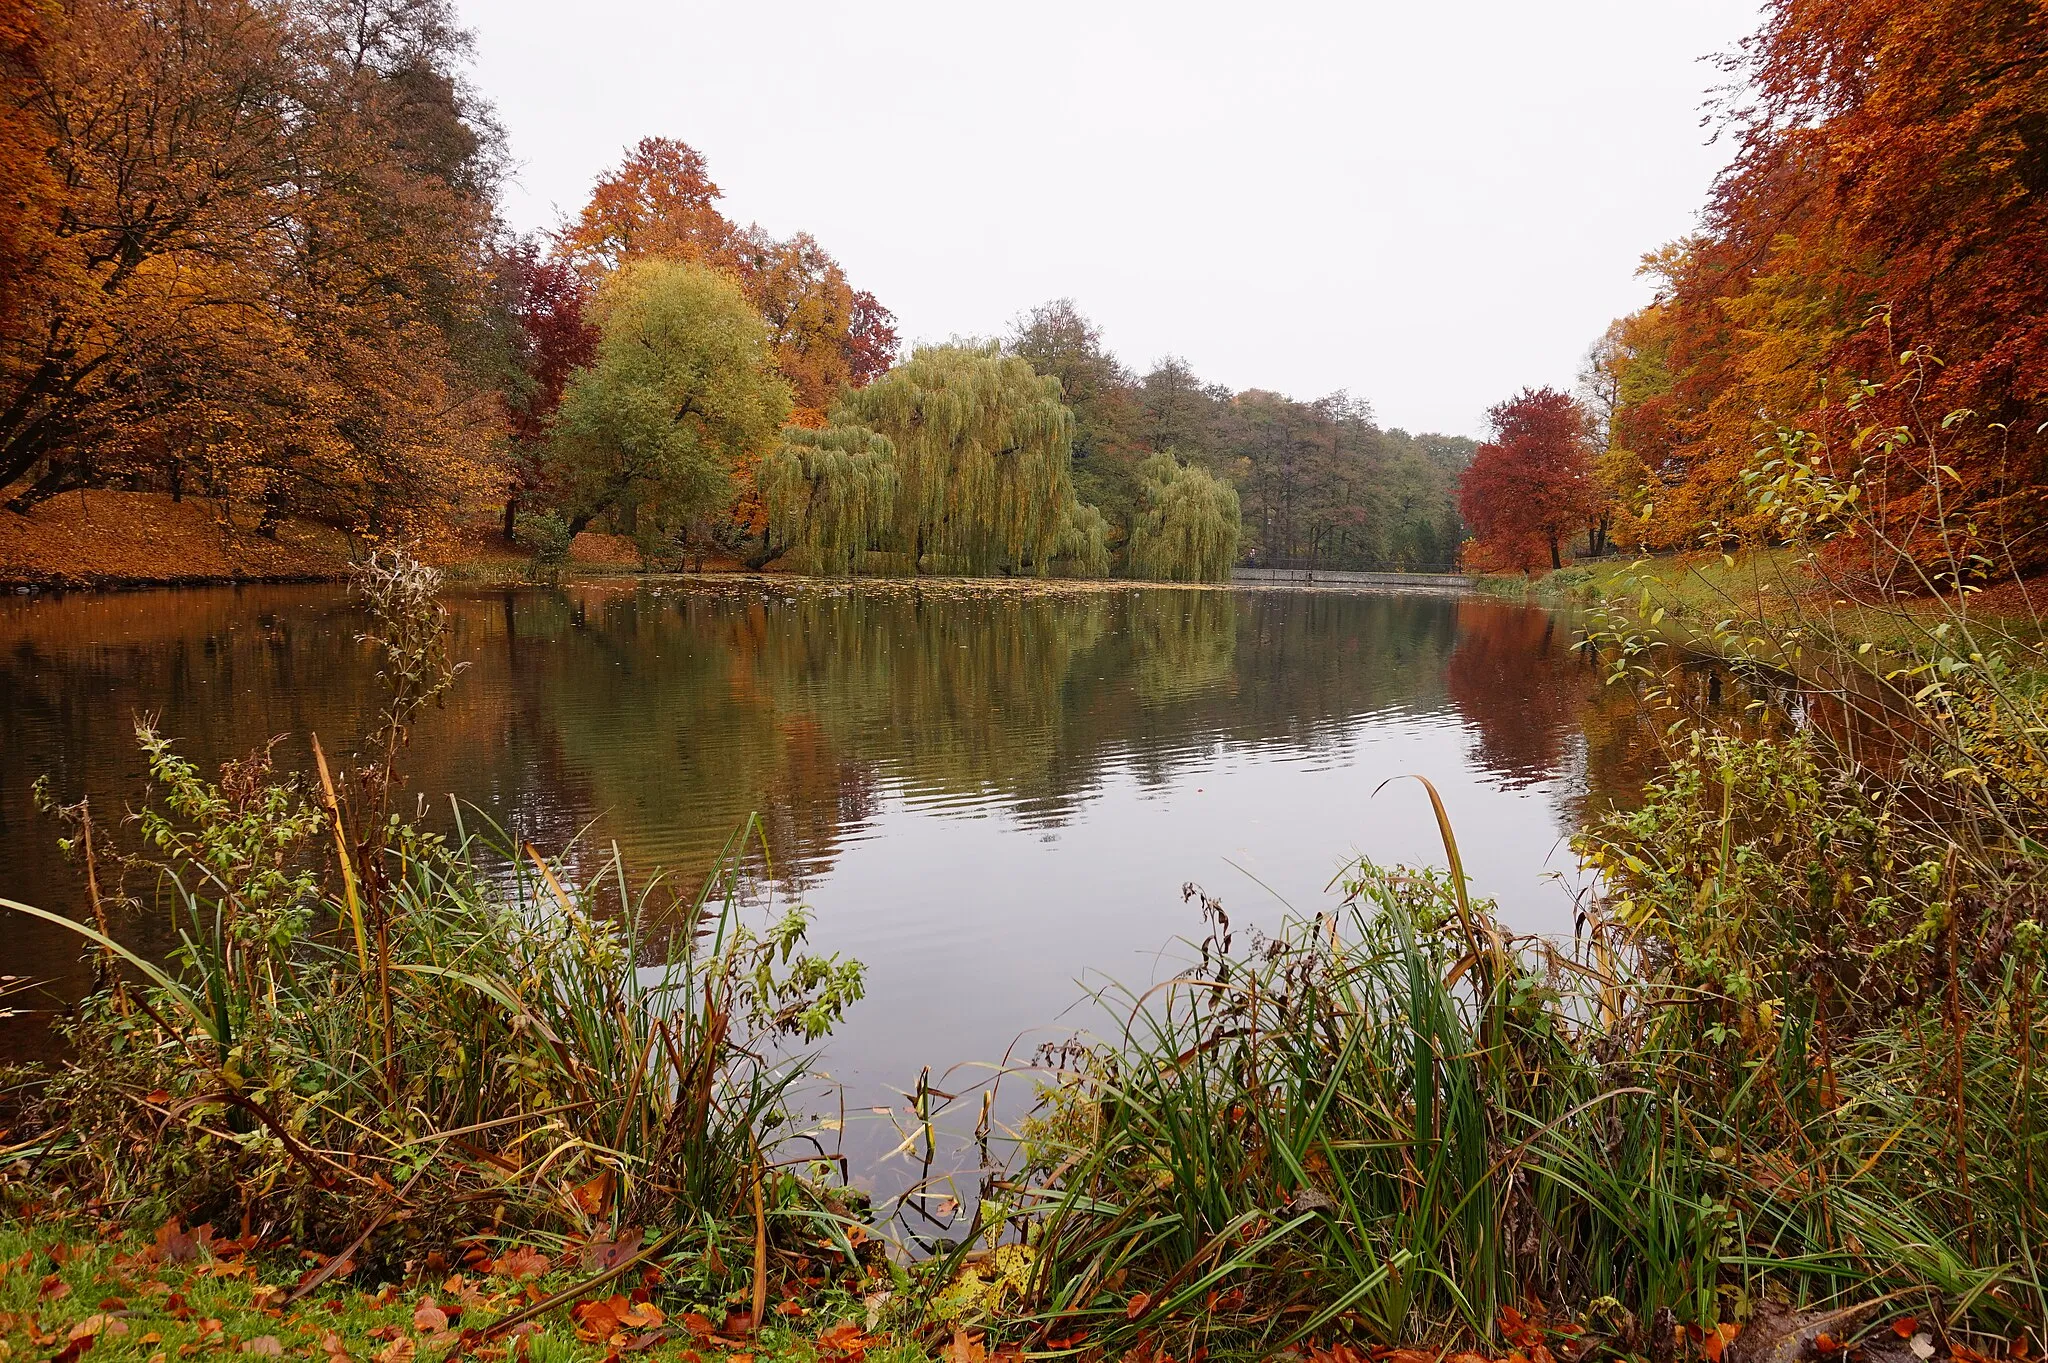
(1082, 546)
(984, 460)
(828, 493)
(1187, 523)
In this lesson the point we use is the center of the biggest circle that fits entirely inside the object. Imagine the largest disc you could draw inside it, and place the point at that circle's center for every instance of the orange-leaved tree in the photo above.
(828, 337)
(1889, 195)
(262, 272)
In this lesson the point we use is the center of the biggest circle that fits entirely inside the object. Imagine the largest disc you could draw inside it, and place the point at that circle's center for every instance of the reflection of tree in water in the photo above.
(670, 712)
(1517, 681)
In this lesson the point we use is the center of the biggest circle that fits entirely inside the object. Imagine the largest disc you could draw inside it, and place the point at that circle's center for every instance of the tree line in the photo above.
(1866, 297)
(258, 258)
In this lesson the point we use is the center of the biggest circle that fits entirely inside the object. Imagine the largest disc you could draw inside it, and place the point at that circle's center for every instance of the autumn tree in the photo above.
(263, 271)
(827, 336)
(544, 301)
(1889, 194)
(830, 494)
(1187, 523)
(984, 456)
(681, 389)
(1529, 487)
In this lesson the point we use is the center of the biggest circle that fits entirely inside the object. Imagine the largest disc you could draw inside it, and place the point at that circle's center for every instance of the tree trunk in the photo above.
(511, 511)
(1555, 561)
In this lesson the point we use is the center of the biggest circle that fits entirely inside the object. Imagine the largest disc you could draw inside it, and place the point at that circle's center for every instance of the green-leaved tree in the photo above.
(1187, 523)
(829, 494)
(682, 389)
(984, 458)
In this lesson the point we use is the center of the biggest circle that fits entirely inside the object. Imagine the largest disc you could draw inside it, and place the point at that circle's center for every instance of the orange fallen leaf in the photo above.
(520, 1262)
(1138, 1305)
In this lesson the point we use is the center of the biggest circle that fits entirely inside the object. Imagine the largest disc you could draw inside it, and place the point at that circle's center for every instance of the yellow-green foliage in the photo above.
(1187, 523)
(1082, 549)
(984, 458)
(683, 386)
(829, 493)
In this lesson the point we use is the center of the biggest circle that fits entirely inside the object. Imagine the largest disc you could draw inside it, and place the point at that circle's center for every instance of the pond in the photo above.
(991, 794)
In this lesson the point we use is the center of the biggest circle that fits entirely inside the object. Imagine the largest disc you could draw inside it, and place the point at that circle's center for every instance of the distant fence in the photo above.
(1337, 577)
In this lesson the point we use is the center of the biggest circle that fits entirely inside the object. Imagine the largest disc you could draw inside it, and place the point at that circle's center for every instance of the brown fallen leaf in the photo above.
(429, 1318)
(264, 1346)
(520, 1262)
(845, 1340)
(1138, 1304)
(966, 1348)
(600, 1256)
(593, 1196)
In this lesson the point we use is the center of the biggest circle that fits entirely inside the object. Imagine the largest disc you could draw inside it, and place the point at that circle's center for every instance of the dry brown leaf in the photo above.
(520, 1262)
(966, 1348)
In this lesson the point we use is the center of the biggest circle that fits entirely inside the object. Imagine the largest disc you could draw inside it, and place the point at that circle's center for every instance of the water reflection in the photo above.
(985, 791)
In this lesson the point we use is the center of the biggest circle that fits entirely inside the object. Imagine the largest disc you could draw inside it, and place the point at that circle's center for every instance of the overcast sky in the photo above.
(1428, 204)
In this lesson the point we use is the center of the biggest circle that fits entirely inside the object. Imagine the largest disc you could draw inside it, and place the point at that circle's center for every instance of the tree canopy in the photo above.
(827, 336)
(258, 256)
(984, 450)
(1529, 488)
(1187, 523)
(681, 389)
(1319, 482)
(1888, 198)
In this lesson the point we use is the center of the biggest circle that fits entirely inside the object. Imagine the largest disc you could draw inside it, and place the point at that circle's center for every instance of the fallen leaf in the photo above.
(397, 1351)
(966, 1348)
(1922, 1345)
(520, 1262)
(1904, 1326)
(1137, 1306)
(265, 1346)
(429, 1318)
(601, 1256)
(845, 1340)
(594, 1195)
(54, 1288)
(698, 1324)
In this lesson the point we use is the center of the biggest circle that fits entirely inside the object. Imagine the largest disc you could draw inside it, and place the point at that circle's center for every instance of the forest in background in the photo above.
(259, 260)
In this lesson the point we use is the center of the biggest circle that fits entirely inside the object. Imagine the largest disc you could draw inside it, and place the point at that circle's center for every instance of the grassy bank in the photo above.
(1782, 589)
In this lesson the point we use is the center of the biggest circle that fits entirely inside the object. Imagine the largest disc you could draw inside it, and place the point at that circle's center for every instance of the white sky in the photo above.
(1428, 204)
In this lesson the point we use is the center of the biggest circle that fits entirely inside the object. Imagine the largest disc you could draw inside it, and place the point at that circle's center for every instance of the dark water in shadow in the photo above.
(985, 793)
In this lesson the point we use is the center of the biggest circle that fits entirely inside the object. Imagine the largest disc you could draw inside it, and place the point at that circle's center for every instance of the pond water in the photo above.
(988, 793)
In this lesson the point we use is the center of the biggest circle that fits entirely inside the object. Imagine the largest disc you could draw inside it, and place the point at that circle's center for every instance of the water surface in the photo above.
(986, 793)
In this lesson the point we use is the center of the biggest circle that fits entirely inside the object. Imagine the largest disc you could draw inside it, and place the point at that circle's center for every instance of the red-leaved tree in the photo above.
(1530, 486)
(543, 297)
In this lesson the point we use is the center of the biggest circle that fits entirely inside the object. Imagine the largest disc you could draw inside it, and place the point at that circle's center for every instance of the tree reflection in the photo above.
(1520, 686)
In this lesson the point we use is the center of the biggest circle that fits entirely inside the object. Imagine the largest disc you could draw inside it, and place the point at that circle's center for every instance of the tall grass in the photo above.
(376, 1038)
